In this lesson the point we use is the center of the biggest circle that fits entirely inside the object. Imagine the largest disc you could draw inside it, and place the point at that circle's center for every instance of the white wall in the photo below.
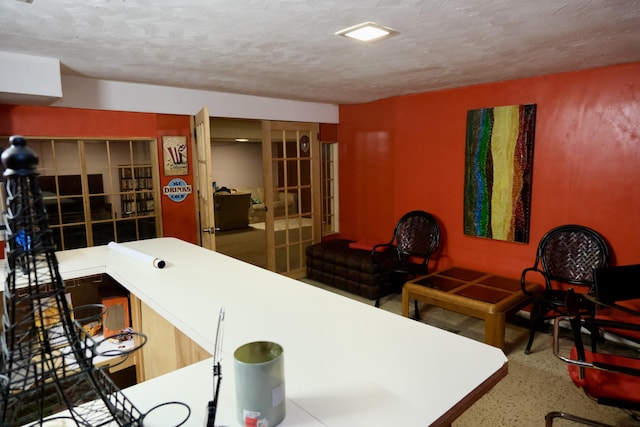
(237, 166)
(29, 79)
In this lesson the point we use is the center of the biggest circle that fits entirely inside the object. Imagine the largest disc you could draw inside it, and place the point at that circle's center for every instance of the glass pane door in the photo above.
(292, 174)
(97, 191)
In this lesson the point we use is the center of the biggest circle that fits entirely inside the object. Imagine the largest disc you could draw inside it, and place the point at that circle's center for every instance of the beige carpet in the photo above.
(536, 384)
(248, 245)
(281, 224)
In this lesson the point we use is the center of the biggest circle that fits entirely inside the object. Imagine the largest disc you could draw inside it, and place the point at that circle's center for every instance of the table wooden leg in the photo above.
(405, 303)
(494, 325)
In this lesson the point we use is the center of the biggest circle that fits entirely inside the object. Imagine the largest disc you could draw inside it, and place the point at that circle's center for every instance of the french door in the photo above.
(206, 222)
(291, 175)
(99, 190)
(291, 163)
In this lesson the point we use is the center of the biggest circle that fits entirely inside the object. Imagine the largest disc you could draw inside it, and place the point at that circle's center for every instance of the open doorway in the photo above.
(236, 160)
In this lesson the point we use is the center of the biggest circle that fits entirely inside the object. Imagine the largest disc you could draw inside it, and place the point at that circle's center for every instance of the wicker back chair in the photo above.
(566, 256)
(415, 239)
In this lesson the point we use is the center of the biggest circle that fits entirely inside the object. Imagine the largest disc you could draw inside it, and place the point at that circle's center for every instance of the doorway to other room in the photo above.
(236, 160)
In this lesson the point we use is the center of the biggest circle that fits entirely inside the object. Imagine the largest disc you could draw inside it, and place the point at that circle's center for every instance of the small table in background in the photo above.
(473, 293)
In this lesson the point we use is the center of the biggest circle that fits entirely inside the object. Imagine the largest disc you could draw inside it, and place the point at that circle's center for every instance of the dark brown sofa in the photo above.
(231, 210)
(334, 263)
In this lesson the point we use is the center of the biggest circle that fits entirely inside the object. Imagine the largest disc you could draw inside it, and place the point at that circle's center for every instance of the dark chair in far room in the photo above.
(415, 239)
(231, 210)
(566, 257)
(609, 378)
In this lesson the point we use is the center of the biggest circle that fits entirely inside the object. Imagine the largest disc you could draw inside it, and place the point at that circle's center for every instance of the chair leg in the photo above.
(536, 315)
(416, 310)
(597, 337)
(532, 332)
(377, 304)
(557, 414)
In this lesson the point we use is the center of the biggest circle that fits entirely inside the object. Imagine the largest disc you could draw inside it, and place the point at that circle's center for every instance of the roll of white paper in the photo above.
(141, 256)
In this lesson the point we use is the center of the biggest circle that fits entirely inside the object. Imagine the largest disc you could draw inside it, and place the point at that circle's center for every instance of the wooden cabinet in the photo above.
(87, 292)
(99, 190)
(167, 349)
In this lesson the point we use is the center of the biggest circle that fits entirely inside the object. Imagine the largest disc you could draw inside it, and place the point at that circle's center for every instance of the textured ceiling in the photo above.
(287, 48)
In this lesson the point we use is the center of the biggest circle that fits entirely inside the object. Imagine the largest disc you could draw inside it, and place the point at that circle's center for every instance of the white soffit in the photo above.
(27, 79)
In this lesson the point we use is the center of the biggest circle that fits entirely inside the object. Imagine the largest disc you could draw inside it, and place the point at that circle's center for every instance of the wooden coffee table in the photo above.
(473, 293)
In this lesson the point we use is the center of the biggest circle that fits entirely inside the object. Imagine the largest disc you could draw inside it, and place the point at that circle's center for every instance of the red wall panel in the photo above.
(47, 121)
(585, 165)
(367, 177)
(179, 219)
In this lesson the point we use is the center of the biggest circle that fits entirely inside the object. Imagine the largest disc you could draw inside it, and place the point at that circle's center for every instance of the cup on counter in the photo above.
(259, 376)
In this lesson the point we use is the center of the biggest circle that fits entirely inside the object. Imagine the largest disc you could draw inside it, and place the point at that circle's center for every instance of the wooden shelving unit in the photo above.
(136, 185)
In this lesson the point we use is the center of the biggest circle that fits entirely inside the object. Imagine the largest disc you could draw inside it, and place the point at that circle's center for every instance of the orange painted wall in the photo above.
(407, 153)
(178, 218)
(367, 170)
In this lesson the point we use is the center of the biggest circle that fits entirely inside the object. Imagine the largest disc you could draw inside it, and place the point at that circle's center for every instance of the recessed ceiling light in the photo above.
(367, 32)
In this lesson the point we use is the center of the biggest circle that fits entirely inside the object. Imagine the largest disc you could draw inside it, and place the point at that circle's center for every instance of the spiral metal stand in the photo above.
(46, 357)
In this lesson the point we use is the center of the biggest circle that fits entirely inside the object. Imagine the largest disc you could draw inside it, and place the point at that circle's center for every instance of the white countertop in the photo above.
(346, 363)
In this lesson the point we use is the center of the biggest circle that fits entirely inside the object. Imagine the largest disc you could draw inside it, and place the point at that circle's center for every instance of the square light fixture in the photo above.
(367, 32)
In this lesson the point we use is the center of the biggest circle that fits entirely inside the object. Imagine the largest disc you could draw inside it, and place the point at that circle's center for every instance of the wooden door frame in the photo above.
(204, 197)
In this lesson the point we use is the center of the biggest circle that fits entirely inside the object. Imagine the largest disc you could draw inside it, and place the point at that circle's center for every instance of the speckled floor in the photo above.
(536, 384)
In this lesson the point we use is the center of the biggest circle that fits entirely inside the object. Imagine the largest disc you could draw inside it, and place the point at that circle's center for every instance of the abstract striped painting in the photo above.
(498, 163)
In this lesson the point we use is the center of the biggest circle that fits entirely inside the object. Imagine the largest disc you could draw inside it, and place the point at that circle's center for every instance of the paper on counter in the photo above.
(141, 256)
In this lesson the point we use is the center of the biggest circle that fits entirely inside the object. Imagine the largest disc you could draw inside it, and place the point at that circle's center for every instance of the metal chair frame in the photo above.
(613, 286)
(416, 235)
(617, 366)
(566, 254)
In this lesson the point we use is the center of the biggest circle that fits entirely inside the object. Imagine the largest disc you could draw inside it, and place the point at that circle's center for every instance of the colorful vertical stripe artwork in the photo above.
(498, 163)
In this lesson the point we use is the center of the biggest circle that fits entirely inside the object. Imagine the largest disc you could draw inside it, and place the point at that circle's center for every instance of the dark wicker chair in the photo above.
(566, 256)
(609, 378)
(415, 239)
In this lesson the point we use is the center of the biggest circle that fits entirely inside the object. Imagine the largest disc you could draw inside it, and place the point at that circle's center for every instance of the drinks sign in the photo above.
(177, 190)
(174, 150)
